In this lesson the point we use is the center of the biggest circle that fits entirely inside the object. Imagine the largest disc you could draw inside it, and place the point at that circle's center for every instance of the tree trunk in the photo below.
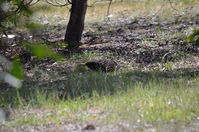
(76, 23)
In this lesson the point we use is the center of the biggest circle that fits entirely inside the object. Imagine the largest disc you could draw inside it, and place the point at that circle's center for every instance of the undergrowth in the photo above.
(132, 96)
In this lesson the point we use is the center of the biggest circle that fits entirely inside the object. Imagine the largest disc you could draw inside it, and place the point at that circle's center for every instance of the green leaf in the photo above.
(194, 36)
(197, 40)
(33, 26)
(41, 51)
(17, 69)
(25, 9)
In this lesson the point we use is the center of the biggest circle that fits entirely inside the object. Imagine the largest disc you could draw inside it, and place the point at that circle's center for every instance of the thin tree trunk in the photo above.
(76, 23)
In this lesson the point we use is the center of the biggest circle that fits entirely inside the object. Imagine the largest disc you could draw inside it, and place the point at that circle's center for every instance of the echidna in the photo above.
(105, 65)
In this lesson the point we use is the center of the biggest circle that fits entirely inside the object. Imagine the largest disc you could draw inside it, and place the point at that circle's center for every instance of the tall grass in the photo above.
(132, 96)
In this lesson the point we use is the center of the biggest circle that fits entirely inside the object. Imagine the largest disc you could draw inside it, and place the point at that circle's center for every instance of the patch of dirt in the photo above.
(96, 127)
(134, 43)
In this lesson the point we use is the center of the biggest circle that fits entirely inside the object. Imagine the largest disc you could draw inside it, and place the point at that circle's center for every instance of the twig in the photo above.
(172, 5)
(108, 11)
(31, 4)
(93, 4)
(159, 9)
(58, 4)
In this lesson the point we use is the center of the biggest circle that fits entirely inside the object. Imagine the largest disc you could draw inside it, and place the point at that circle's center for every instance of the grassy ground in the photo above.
(132, 97)
(124, 96)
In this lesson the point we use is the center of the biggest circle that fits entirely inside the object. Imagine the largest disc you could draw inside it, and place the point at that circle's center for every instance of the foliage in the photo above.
(17, 70)
(11, 73)
(11, 10)
(33, 27)
(41, 51)
(10, 13)
(194, 37)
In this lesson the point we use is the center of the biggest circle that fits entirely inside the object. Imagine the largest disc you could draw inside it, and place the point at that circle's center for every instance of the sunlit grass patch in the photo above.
(118, 10)
(132, 97)
(154, 102)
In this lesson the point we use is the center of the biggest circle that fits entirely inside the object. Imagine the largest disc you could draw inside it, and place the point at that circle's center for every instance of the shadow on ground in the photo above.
(89, 83)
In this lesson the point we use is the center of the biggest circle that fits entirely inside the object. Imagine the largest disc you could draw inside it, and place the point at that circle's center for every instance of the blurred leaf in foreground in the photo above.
(33, 27)
(5, 64)
(3, 116)
(194, 37)
(17, 69)
(10, 79)
(41, 51)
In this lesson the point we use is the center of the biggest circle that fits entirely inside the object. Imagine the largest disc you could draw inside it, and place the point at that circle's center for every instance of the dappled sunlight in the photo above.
(133, 67)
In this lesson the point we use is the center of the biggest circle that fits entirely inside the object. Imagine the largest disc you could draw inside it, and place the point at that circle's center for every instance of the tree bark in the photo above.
(76, 23)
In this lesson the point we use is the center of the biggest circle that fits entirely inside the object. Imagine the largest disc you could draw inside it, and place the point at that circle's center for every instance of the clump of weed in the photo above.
(194, 37)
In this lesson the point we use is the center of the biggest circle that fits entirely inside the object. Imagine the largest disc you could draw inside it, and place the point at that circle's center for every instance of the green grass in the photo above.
(133, 97)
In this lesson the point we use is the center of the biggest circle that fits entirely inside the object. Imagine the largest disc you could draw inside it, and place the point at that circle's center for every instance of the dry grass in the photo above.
(120, 97)
(151, 100)
(127, 9)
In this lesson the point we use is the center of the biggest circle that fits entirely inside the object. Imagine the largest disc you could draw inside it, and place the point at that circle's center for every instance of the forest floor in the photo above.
(146, 43)
(142, 44)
